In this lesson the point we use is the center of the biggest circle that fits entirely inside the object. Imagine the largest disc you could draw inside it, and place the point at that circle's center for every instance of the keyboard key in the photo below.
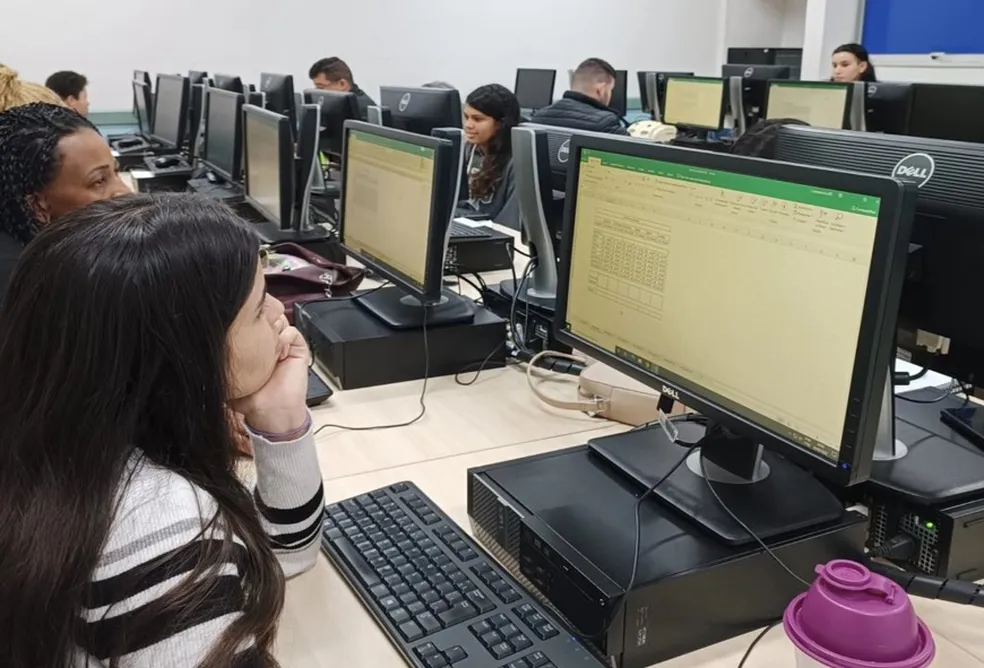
(498, 621)
(410, 631)
(416, 608)
(409, 598)
(480, 601)
(425, 650)
(480, 628)
(379, 591)
(454, 597)
(389, 602)
(399, 616)
(364, 500)
(455, 654)
(509, 630)
(499, 585)
(502, 650)
(398, 488)
(467, 554)
(437, 607)
(545, 631)
(333, 534)
(509, 595)
(519, 663)
(491, 638)
(436, 661)
(461, 612)
(534, 620)
(428, 623)
(538, 659)
(520, 642)
(378, 494)
(429, 519)
(362, 570)
(400, 590)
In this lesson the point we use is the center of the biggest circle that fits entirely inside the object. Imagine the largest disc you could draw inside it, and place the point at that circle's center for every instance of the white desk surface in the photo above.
(496, 419)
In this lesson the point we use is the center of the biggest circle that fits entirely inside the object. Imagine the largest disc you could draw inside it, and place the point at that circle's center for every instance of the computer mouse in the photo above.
(127, 143)
(167, 161)
(211, 177)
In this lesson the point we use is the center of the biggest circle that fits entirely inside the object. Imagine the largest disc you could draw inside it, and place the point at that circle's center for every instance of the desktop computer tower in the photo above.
(563, 524)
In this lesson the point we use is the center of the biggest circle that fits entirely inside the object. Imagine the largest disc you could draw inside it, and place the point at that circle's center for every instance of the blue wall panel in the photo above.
(924, 26)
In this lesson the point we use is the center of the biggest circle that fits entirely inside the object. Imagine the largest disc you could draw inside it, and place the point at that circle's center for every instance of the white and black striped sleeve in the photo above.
(155, 542)
(290, 499)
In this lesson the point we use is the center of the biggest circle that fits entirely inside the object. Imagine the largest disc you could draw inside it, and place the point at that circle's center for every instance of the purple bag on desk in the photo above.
(295, 275)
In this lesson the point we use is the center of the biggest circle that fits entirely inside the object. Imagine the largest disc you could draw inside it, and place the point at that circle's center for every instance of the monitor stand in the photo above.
(272, 233)
(770, 494)
(529, 295)
(919, 457)
(398, 310)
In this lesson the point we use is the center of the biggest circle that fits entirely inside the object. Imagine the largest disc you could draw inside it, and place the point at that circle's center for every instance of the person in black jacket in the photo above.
(52, 162)
(585, 106)
(335, 74)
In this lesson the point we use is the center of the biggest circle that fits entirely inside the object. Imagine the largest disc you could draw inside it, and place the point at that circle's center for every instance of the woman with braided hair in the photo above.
(52, 162)
(491, 112)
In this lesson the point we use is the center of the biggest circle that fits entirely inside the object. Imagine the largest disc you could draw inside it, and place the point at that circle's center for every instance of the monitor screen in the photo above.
(822, 105)
(746, 291)
(694, 102)
(141, 96)
(389, 190)
(168, 109)
(534, 88)
(263, 165)
(222, 132)
(946, 111)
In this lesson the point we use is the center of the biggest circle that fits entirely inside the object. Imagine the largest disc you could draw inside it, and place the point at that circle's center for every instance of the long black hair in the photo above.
(29, 160)
(500, 104)
(861, 53)
(112, 354)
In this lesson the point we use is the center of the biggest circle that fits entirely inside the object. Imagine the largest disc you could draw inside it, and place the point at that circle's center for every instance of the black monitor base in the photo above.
(777, 499)
(272, 234)
(398, 310)
(528, 296)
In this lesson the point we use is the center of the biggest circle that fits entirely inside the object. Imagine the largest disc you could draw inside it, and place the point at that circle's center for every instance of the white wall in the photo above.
(828, 24)
(794, 24)
(391, 42)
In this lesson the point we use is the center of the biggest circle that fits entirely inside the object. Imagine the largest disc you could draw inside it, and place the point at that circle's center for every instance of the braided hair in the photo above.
(498, 103)
(29, 160)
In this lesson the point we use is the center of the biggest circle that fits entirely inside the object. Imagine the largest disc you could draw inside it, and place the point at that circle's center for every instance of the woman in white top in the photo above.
(129, 331)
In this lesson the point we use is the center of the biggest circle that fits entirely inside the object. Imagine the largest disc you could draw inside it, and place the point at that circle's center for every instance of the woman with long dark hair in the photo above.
(851, 63)
(491, 112)
(126, 537)
(52, 161)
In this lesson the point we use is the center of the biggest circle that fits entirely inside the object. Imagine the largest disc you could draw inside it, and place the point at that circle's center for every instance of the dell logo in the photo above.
(915, 169)
(564, 153)
(670, 392)
(749, 72)
(404, 101)
(872, 90)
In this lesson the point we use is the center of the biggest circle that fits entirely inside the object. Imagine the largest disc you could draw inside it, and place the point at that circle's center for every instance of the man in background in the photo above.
(334, 74)
(71, 88)
(585, 106)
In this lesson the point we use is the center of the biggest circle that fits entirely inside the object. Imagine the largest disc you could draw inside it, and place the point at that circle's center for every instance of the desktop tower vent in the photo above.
(494, 517)
(928, 555)
(888, 519)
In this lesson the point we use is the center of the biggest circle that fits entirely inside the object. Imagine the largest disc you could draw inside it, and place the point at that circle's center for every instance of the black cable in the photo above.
(423, 393)
(523, 253)
(756, 641)
(520, 288)
(768, 550)
(638, 538)
(954, 388)
(906, 378)
(356, 295)
(481, 367)
(474, 285)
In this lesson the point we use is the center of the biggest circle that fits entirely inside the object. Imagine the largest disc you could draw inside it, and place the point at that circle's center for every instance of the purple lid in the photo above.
(853, 618)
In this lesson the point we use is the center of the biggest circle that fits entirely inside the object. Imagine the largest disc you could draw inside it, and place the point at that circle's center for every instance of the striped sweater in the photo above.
(160, 521)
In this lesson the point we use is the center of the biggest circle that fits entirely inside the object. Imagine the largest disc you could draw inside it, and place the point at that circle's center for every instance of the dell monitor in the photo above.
(336, 108)
(939, 324)
(947, 111)
(754, 89)
(396, 194)
(695, 103)
(142, 105)
(760, 295)
(224, 134)
(820, 104)
(278, 91)
(197, 77)
(229, 82)
(421, 110)
(535, 88)
(196, 113)
(888, 107)
(170, 110)
(619, 102)
(268, 150)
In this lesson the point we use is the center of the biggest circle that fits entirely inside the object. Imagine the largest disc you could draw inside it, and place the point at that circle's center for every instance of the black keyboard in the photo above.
(460, 230)
(435, 592)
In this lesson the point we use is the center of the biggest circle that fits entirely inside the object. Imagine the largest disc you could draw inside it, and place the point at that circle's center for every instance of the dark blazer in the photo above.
(581, 112)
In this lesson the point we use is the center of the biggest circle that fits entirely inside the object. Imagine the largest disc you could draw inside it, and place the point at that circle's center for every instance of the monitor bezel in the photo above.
(441, 195)
(875, 349)
(182, 110)
(285, 149)
(238, 147)
(522, 72)
(345, 100)
(829, 85)
(141, 89)
(451, 97)
(724, 102)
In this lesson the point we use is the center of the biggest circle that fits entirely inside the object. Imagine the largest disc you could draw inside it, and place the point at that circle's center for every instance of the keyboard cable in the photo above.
(420, 400)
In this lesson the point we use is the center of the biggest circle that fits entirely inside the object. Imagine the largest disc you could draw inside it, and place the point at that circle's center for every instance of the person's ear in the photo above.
(39, 205)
